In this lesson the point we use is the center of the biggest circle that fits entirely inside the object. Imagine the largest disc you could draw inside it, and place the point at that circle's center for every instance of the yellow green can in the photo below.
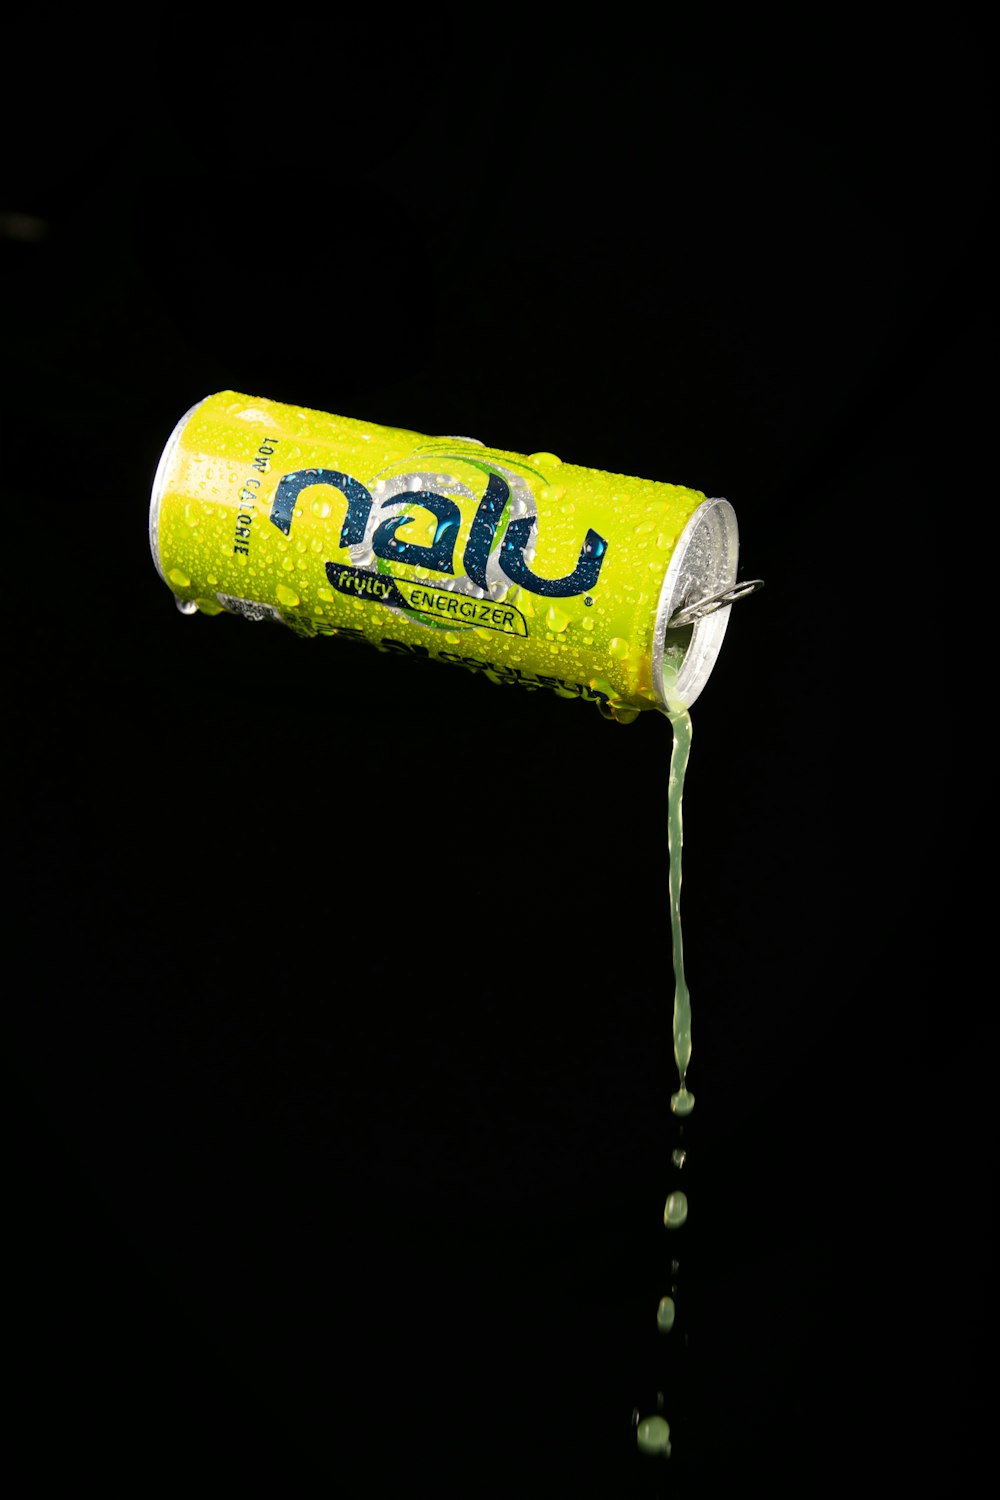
(527, 569)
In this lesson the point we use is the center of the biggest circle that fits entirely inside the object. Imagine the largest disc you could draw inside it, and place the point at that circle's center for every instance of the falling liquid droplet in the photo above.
(678, 1157)
(675, 1211)
(665, 1314)
(653, 1436)
(682, 1103)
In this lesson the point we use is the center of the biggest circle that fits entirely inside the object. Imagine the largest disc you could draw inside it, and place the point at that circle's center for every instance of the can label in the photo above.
(531, 570)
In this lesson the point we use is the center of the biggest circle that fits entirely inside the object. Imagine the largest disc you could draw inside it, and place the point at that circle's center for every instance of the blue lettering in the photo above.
(439, 555)
(484, 527)
(583, 577)
(359, 501)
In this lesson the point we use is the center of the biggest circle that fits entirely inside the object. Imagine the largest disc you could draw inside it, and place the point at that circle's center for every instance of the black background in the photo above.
(356, 1205)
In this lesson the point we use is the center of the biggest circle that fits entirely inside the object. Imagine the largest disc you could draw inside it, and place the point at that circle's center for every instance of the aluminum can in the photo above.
(524, 568)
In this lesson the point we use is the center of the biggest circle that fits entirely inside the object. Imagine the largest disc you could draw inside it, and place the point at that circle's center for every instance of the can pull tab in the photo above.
(688, 614)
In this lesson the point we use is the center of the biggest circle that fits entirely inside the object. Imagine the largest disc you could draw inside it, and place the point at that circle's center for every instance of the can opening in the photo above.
(704, 562)
(676, 644)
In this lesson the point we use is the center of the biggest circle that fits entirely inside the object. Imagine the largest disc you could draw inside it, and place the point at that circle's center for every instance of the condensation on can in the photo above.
(525, 568)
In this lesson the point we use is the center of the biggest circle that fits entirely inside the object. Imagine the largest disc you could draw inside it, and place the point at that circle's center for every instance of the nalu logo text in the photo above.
(499, 544)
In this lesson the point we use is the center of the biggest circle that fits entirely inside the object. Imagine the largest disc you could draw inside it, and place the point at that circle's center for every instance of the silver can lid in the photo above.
(703, 566)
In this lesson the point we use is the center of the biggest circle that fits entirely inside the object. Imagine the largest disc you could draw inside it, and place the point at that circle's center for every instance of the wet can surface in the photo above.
(533, 571)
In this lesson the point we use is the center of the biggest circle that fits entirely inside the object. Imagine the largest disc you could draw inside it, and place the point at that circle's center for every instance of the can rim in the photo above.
(159, 479)
(704, 562)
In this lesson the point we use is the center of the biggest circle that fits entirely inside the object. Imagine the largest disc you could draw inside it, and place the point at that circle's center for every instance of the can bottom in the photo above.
(159, 478)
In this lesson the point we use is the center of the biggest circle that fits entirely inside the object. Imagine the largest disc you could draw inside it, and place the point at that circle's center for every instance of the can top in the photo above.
(704, 563)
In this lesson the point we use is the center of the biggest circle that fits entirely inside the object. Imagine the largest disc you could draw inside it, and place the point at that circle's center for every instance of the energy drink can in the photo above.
(532, 571)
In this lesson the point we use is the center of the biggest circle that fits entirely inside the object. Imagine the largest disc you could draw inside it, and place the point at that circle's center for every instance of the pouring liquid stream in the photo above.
(681, 1102)
(653, 1433)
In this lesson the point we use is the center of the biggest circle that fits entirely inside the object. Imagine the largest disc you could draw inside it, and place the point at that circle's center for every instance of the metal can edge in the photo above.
(704, 561)
(156, 491)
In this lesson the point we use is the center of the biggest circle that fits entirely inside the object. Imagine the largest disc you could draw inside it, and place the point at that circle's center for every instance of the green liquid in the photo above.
(653, 1436)
(682, 1103)
(665, 1314)
(675, 1210)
